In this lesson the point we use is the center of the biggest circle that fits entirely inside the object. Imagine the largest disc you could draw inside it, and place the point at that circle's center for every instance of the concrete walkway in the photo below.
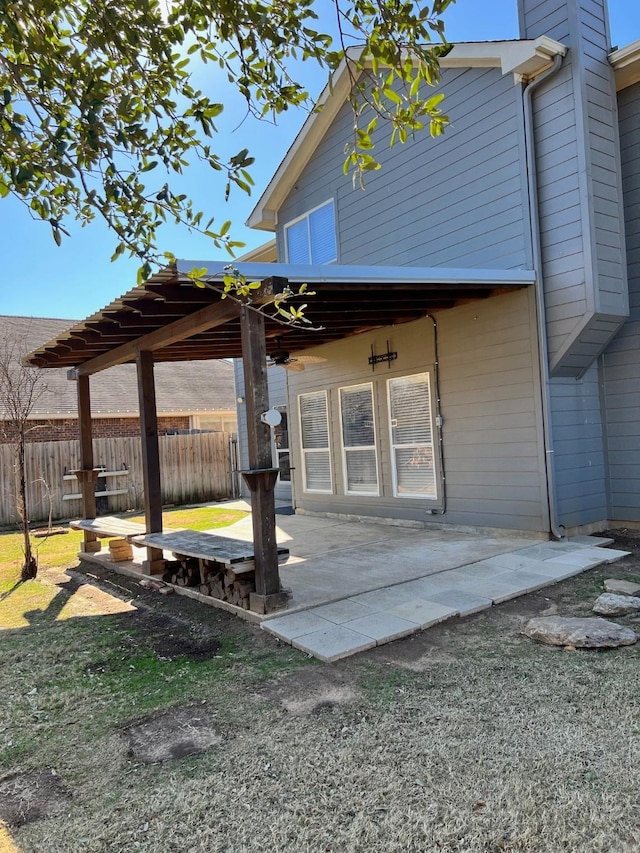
(357, 585)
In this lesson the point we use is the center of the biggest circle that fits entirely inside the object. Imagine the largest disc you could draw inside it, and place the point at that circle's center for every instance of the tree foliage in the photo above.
(99, 111)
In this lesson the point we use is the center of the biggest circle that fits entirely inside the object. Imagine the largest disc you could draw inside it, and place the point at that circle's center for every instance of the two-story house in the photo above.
(512, 402)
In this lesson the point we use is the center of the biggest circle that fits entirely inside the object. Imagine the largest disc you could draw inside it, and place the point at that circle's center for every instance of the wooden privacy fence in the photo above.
(194, 468)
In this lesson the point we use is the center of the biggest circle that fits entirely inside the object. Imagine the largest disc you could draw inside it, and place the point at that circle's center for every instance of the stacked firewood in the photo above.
(211, 578)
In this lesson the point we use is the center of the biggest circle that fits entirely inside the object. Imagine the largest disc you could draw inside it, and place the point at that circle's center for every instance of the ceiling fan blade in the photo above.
(310, 359)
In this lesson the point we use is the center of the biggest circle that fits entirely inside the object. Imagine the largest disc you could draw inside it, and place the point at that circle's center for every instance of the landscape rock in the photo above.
(586, 633)
(609, 604)
(620, 587)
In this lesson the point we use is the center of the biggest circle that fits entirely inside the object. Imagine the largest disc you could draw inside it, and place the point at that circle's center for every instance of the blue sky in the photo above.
(77, 279)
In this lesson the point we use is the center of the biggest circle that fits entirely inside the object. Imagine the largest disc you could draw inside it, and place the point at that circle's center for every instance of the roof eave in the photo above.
(363, 274)
(626, 65)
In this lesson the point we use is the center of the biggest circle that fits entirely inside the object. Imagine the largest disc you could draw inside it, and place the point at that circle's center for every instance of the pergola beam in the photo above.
(216, 314)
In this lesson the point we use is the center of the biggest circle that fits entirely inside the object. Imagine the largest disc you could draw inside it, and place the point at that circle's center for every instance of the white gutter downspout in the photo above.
(557, 530)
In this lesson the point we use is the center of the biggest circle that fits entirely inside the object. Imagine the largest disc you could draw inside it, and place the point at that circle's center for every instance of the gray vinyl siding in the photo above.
(580, 205)
(453, 201)
(578, 450)
(621, 361)
(277, 397)
(492, 443)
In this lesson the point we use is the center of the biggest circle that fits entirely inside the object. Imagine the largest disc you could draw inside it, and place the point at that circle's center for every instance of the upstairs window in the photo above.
(311, 239)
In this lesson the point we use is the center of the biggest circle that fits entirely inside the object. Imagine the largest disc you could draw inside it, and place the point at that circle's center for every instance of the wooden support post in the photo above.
(154, 563)
(87, 475)
(268, 596)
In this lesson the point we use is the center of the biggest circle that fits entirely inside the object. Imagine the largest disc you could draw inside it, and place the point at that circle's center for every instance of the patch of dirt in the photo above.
(31, 796)
(176, 733)
(312, 691)
(166, 638)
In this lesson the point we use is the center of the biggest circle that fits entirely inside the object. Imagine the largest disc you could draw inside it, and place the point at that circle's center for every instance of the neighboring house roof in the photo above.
(181, 387)
(524, 59)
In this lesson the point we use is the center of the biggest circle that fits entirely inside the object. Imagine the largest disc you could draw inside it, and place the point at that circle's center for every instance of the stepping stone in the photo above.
(590, 541)
(465, 603)
(620, 587)
(293, 625)
(333, 643)
(587, 633)
(609, 604)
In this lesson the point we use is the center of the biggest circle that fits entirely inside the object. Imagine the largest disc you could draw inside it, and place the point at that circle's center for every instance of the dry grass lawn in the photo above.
(468, 738)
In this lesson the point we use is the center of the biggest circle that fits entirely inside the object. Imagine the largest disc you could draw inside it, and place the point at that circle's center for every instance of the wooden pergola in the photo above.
(168, 318)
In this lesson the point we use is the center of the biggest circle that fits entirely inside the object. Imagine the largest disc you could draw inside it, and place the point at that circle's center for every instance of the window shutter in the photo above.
(411, 436)
(322, 232)
(298, 243)
(314, 435)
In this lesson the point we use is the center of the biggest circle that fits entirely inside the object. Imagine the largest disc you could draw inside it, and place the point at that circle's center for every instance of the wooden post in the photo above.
(261, 476)
(87, 475)
(154, 563)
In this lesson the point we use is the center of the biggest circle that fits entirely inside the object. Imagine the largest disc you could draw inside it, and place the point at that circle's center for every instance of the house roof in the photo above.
(524, 58)
(180, 387)
(177, 321)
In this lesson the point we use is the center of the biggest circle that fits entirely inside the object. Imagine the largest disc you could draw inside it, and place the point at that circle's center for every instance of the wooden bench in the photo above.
(222, 568)
(109, 527)
(234, 554)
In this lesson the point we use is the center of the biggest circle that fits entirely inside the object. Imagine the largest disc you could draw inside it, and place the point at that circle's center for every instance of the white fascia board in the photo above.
(266, 252)
(359, 274)
(524, 59)
(626, 64)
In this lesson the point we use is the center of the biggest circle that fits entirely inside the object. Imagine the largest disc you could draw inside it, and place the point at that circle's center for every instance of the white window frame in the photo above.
(392, 446)
(277, 452)
(373, 446)
(307, 216)
(326, 449)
